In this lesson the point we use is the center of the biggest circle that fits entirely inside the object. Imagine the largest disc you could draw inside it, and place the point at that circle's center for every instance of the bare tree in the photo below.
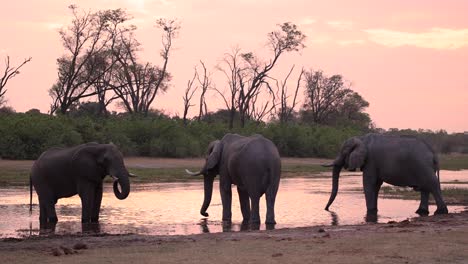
(8, 74)
(231, 67)
(103, 66)
(288, 38)
(257, 111)
(87, 35)
(205, 83)
(323, 95)
(137, 84)
(189, 91)
(286, 110)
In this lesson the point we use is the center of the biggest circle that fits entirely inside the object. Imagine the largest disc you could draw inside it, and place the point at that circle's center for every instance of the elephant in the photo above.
(65, 172)
(396, 160)
(253, 164)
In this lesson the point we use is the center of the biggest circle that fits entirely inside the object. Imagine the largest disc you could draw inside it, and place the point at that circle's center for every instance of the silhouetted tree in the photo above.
(286, 110)
(189, 91)
(251, 74)
(330, 101)
(89, 34)
(8, 73)
(231, 67)
(205, 83)
(135, 83)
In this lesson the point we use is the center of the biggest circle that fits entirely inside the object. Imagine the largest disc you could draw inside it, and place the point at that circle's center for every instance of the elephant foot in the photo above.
(443, 210)
(371, 216)
(245, 227)
(270, 226)
(422, 212)
(47, 228)
(255, 226)
(91, 228)
(270, 222)
(227, 222)
(255, 221)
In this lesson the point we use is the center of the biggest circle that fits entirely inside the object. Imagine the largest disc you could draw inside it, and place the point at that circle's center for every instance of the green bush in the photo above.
(26, 136)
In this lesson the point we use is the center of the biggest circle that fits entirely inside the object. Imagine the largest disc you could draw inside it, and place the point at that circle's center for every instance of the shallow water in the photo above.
(173, 208)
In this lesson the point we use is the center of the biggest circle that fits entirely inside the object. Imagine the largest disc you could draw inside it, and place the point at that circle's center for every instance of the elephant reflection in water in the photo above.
(229, 227)
(396, 160)
(50, 228)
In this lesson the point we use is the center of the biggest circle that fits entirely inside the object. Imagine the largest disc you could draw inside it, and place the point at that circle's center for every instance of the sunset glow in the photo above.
(408, 59)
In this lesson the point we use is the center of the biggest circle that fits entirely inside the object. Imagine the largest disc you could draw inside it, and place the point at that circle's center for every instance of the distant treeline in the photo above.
(27, 135)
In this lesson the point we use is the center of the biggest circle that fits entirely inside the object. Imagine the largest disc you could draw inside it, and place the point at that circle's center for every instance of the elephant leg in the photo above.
(441, 206)
(371, 190)
(47, 212)
(270, 197)
(226, 199)
(87, 201)
(96, 204)
(255, 211)
(423, 209)
(42, 213)
(244, 205)
(52, 213)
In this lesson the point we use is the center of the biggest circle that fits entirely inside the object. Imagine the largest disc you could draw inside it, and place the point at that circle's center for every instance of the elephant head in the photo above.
(352, 156)
(209, 172)
(110, 160)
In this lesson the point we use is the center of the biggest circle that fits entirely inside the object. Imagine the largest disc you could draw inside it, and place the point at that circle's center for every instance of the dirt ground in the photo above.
(433, 239)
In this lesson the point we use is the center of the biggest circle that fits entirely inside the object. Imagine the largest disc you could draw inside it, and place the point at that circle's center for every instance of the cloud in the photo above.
(307, 21)
(53, 25)
(340, 24)
(351, 42)
(320, 39)
(435, 38)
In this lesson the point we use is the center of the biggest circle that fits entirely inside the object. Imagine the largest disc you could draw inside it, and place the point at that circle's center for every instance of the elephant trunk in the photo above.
(124, 183)
(336, 176)
(208, 184)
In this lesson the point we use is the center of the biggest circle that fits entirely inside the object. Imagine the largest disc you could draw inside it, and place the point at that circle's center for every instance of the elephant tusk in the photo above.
(192, 173)
(115, 178)
(132, 175)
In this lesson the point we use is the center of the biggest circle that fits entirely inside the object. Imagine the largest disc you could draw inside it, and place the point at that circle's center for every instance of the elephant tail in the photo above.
(30, 194)
(436, 167)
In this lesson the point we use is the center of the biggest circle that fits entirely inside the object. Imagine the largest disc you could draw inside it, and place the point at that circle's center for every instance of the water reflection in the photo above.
(204, 226)
(334, 218)
(50, 228)
(228, 226)
(173, 209)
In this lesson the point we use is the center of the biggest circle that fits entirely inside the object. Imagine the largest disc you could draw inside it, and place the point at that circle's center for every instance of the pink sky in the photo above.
(409, 59)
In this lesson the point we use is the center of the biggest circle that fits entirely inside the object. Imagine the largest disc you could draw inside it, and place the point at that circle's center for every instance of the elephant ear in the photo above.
(89, 150)
(358, 155)
(215, 154)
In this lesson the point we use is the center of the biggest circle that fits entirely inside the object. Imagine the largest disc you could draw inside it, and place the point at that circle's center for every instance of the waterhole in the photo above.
(173, 208)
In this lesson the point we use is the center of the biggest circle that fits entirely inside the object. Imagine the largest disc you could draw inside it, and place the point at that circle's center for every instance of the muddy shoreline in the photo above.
(433, 239)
